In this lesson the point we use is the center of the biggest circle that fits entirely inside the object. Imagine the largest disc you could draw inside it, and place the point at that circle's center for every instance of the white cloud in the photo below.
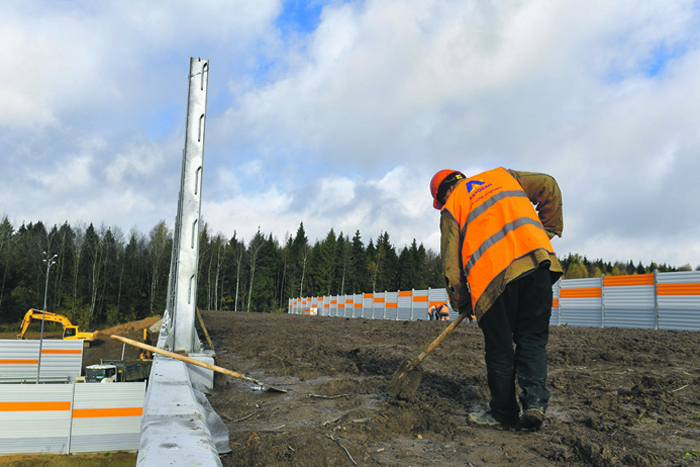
(138, 159)
(345, 126)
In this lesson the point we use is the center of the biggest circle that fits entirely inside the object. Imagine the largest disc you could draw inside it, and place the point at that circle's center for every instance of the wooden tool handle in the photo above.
(440, 338)
(166, 353)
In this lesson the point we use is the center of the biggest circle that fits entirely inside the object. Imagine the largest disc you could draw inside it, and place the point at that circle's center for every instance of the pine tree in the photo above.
(326, 265)
(357, 281)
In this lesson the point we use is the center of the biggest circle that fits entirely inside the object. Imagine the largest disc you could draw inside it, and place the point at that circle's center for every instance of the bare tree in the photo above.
(303, 269)
(240, 252)
(157, 248)
(98, 258)
(220, 244)
(6, 241)
(254, 248)
(78, 246)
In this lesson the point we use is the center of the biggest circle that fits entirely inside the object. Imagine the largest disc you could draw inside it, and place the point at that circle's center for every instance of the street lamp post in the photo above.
(49, 263)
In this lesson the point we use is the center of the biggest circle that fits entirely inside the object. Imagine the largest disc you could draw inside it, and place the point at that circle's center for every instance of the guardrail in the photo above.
(660, 300)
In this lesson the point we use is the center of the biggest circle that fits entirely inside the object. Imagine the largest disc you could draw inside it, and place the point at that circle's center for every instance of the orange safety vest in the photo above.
(498, 224)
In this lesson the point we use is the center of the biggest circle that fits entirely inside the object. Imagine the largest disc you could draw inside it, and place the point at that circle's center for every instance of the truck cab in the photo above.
(100, 373)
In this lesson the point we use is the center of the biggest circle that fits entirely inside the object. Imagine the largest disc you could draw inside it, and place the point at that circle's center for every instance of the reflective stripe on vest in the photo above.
(498, 224)
(498, 236)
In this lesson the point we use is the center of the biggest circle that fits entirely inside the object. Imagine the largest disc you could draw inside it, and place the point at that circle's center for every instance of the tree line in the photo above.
(103, 276)
(577, 267)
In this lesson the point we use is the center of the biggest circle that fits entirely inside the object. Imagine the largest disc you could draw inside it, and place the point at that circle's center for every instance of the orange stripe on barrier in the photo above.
(690, 288)
(333, 302)
(97, 413)
(417, 298)
(358, 305)
(367, 295)
(349, 300)
(19, 361)
(405, 293)
(326, 305)
(588, 292)
(392, 305)
(61, 351)
(341, 305)
(379, 300)
(624, 281)
(555, 303)
(33, 406)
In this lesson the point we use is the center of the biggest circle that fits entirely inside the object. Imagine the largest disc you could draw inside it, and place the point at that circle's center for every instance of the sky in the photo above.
(338, 113)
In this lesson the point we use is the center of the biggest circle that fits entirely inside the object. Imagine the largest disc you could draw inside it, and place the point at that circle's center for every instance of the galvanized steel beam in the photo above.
(182, 290)
(174, 429)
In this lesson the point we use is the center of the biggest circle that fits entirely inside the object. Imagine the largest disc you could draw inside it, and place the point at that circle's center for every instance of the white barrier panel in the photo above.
(668, 300)
(629, 302)
(60, 360)
(580, 302)
(556, 316)
(70, 418)
(678, 295)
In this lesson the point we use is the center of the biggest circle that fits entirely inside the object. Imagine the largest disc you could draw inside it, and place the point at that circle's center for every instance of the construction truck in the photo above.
(70, 332)
(109, 371)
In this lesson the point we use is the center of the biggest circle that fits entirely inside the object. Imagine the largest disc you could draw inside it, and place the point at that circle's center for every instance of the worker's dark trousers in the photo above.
(519, 316)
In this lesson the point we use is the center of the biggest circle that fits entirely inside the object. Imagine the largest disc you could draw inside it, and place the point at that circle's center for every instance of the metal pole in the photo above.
(189, 205)
(656, 299)
(48, 262)
(602, 302)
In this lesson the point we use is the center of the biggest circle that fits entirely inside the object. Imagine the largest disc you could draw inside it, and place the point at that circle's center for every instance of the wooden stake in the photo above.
(204, 328)
(192, 361)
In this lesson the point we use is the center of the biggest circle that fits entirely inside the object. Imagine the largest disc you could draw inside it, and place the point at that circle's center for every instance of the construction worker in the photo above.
(439, 312)
(146, 354)
(499, 266)
(431, 313)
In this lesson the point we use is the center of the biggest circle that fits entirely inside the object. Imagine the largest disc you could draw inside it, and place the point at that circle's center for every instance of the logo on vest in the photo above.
(472, 183)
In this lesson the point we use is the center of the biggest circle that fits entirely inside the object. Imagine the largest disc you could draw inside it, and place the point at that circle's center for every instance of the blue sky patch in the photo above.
(161, 122)
(661, 56)
(300, 17)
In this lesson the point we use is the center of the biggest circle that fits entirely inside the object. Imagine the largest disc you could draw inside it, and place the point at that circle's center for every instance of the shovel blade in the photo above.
(406, 380)
(274, 389)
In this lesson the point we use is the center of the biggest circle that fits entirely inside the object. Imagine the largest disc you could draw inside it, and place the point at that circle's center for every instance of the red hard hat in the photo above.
(447, 176)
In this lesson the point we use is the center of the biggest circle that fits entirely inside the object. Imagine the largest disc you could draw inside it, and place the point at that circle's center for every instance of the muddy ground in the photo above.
(620, 397)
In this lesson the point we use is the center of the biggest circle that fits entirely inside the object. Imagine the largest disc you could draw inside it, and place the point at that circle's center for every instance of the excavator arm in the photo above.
(69, 331)
(38, 315)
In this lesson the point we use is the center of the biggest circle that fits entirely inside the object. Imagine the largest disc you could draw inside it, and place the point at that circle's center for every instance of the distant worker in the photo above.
(499, 266)
(438, 312)
(146, 354)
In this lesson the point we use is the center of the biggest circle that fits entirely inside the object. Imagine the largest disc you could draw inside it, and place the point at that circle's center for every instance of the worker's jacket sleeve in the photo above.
(543, 190)
(455, 281)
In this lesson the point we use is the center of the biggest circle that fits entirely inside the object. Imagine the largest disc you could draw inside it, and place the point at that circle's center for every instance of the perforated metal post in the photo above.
(183, 299)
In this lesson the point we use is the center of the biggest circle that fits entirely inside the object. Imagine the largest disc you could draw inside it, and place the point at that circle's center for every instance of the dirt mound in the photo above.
(105, 348)
(620, 397)
(132, 327)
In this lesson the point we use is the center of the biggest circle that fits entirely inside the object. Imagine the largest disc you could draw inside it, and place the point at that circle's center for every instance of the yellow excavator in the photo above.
(70, 332)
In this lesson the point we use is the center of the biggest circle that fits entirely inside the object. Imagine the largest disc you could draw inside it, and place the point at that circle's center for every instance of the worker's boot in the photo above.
(531, 419)
(486, 419)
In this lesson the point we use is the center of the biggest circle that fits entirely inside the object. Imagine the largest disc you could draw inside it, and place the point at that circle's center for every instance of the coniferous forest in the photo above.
(103, 276)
